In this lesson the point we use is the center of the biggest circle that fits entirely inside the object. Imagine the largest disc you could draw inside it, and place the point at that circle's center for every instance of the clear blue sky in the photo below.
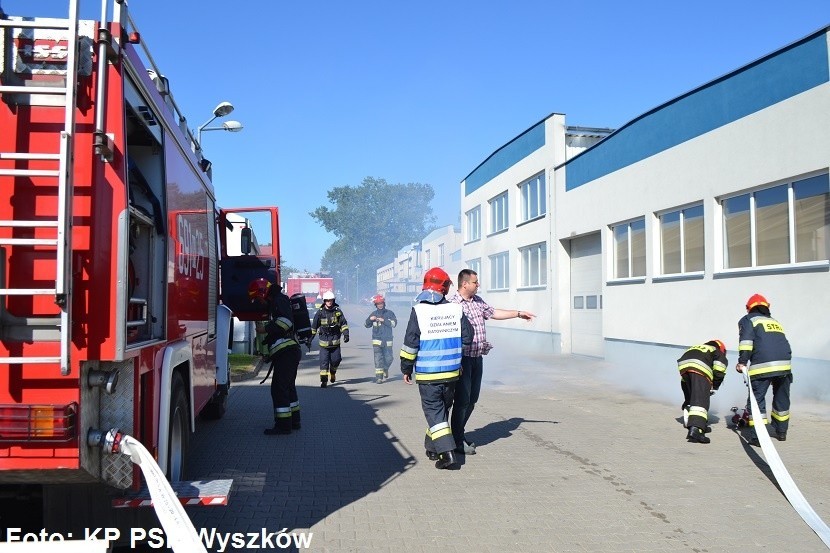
(332, 92)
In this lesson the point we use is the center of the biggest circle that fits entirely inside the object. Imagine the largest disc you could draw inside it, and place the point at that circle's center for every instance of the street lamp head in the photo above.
(232, 126)
(223, 109)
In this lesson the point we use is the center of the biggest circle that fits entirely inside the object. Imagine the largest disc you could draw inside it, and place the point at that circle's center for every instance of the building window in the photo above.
(475, 266)
(499, 271)
(630, 249)
(681, 240)
(428, 259)
(498, 213)
(783, 224)
(579, 302)
(534, 265)
(474, 224)
(440, 255)
(533, 197)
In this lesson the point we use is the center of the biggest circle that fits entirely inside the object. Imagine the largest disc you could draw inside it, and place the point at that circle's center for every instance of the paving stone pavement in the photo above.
(566, 462)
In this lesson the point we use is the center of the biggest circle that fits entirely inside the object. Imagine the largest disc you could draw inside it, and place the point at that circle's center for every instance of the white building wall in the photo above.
(518, 235)
(786, 140)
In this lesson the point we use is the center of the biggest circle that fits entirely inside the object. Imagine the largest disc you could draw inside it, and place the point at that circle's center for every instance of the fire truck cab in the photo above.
(112, 318)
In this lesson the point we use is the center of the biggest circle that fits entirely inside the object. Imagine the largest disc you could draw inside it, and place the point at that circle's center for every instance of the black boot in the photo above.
(332, 376)
(323, 382)
(696, 435)
(707, 429)
(445, 460)
(432, 456)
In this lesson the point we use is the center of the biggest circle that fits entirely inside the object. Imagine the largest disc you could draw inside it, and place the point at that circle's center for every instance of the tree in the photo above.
(372, 222)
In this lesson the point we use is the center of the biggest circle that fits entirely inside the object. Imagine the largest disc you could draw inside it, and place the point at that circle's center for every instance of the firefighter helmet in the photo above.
(756, 299)
(437, 280)
(258, 288)
(378, 299)
(720, 345)
(328, 295)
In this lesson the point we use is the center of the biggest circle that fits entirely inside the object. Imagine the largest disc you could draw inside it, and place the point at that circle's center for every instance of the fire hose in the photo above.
(181, 534)
(782, 476)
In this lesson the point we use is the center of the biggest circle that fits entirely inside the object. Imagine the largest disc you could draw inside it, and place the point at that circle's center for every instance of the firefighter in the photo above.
(329, 325)
(702, 369)
(766, 354)
(381, 321)
(436, 331)
(284, 353)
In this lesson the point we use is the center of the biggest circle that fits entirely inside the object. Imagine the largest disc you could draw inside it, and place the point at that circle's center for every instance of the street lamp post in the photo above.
(223, 109)
(357, 283)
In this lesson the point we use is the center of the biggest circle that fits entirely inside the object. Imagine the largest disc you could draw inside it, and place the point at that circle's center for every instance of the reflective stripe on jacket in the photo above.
(706, 360)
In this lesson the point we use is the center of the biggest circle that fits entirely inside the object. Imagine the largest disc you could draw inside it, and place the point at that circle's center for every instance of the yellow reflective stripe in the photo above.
(393, 322)
(436, 376)
(767, 368)
(283, 323)
(324, 373)
(344, 328)
(441, 433)
(376, 342)
(408, 356)
(696, 365)
(698, 412)
(781, 416)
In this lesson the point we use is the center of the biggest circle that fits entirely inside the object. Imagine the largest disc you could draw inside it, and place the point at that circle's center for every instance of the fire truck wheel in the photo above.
(179, 430)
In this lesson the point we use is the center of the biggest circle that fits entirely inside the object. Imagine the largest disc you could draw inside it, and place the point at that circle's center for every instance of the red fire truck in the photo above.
(112, 251)
(312, 286)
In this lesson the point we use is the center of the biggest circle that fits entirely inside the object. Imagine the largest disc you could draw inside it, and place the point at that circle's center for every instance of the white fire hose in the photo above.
(782, 476)
(180, 532)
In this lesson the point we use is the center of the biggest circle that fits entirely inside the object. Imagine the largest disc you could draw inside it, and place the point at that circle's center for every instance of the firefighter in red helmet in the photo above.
(329, 325)
(765, 353)
(283, 352)
(435, 334)
(381, 321)
(702, 369)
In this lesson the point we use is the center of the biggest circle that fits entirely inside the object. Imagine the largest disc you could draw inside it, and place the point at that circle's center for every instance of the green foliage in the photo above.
(241, 361)
(372, 222)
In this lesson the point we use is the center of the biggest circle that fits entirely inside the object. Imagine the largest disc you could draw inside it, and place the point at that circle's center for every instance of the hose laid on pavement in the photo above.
(181, 534)
(782, 476)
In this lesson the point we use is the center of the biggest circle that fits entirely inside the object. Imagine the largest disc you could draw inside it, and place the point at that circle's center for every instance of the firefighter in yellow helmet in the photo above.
(765, 353)
(702, 369)
(381, 321)
(436, 331)
(329, 325)
(284, 353)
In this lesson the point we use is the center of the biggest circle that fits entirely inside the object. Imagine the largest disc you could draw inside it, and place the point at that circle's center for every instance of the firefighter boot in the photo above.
(323, 381)
(432, 456)
(697, 435)
(446, 460)
(332, 375)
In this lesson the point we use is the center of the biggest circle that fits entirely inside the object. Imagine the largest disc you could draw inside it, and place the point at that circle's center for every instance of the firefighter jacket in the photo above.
(381, 330)
(706, 360)
(329, 325)
(279, 330)
(433, 340)
(763, 345)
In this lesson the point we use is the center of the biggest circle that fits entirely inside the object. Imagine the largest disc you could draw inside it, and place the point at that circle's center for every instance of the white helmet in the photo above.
(328, 295)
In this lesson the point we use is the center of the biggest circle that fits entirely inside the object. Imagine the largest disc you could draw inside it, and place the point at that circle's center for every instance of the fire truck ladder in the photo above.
(63, 175)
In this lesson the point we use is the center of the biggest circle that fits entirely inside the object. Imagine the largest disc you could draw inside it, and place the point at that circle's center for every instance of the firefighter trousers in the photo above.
(780, 419)
(383, 360)
(284, 365)
(436, 401)
(329, 361)
(696, 394)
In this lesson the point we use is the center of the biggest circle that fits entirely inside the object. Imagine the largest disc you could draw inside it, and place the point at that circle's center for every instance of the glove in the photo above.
(346, 338)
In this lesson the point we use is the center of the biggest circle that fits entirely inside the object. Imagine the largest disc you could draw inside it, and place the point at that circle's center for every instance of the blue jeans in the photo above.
(467, 390)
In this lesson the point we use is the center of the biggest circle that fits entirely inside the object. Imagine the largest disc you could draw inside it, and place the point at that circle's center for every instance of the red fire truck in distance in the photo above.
(312, 286)
(112, 251)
